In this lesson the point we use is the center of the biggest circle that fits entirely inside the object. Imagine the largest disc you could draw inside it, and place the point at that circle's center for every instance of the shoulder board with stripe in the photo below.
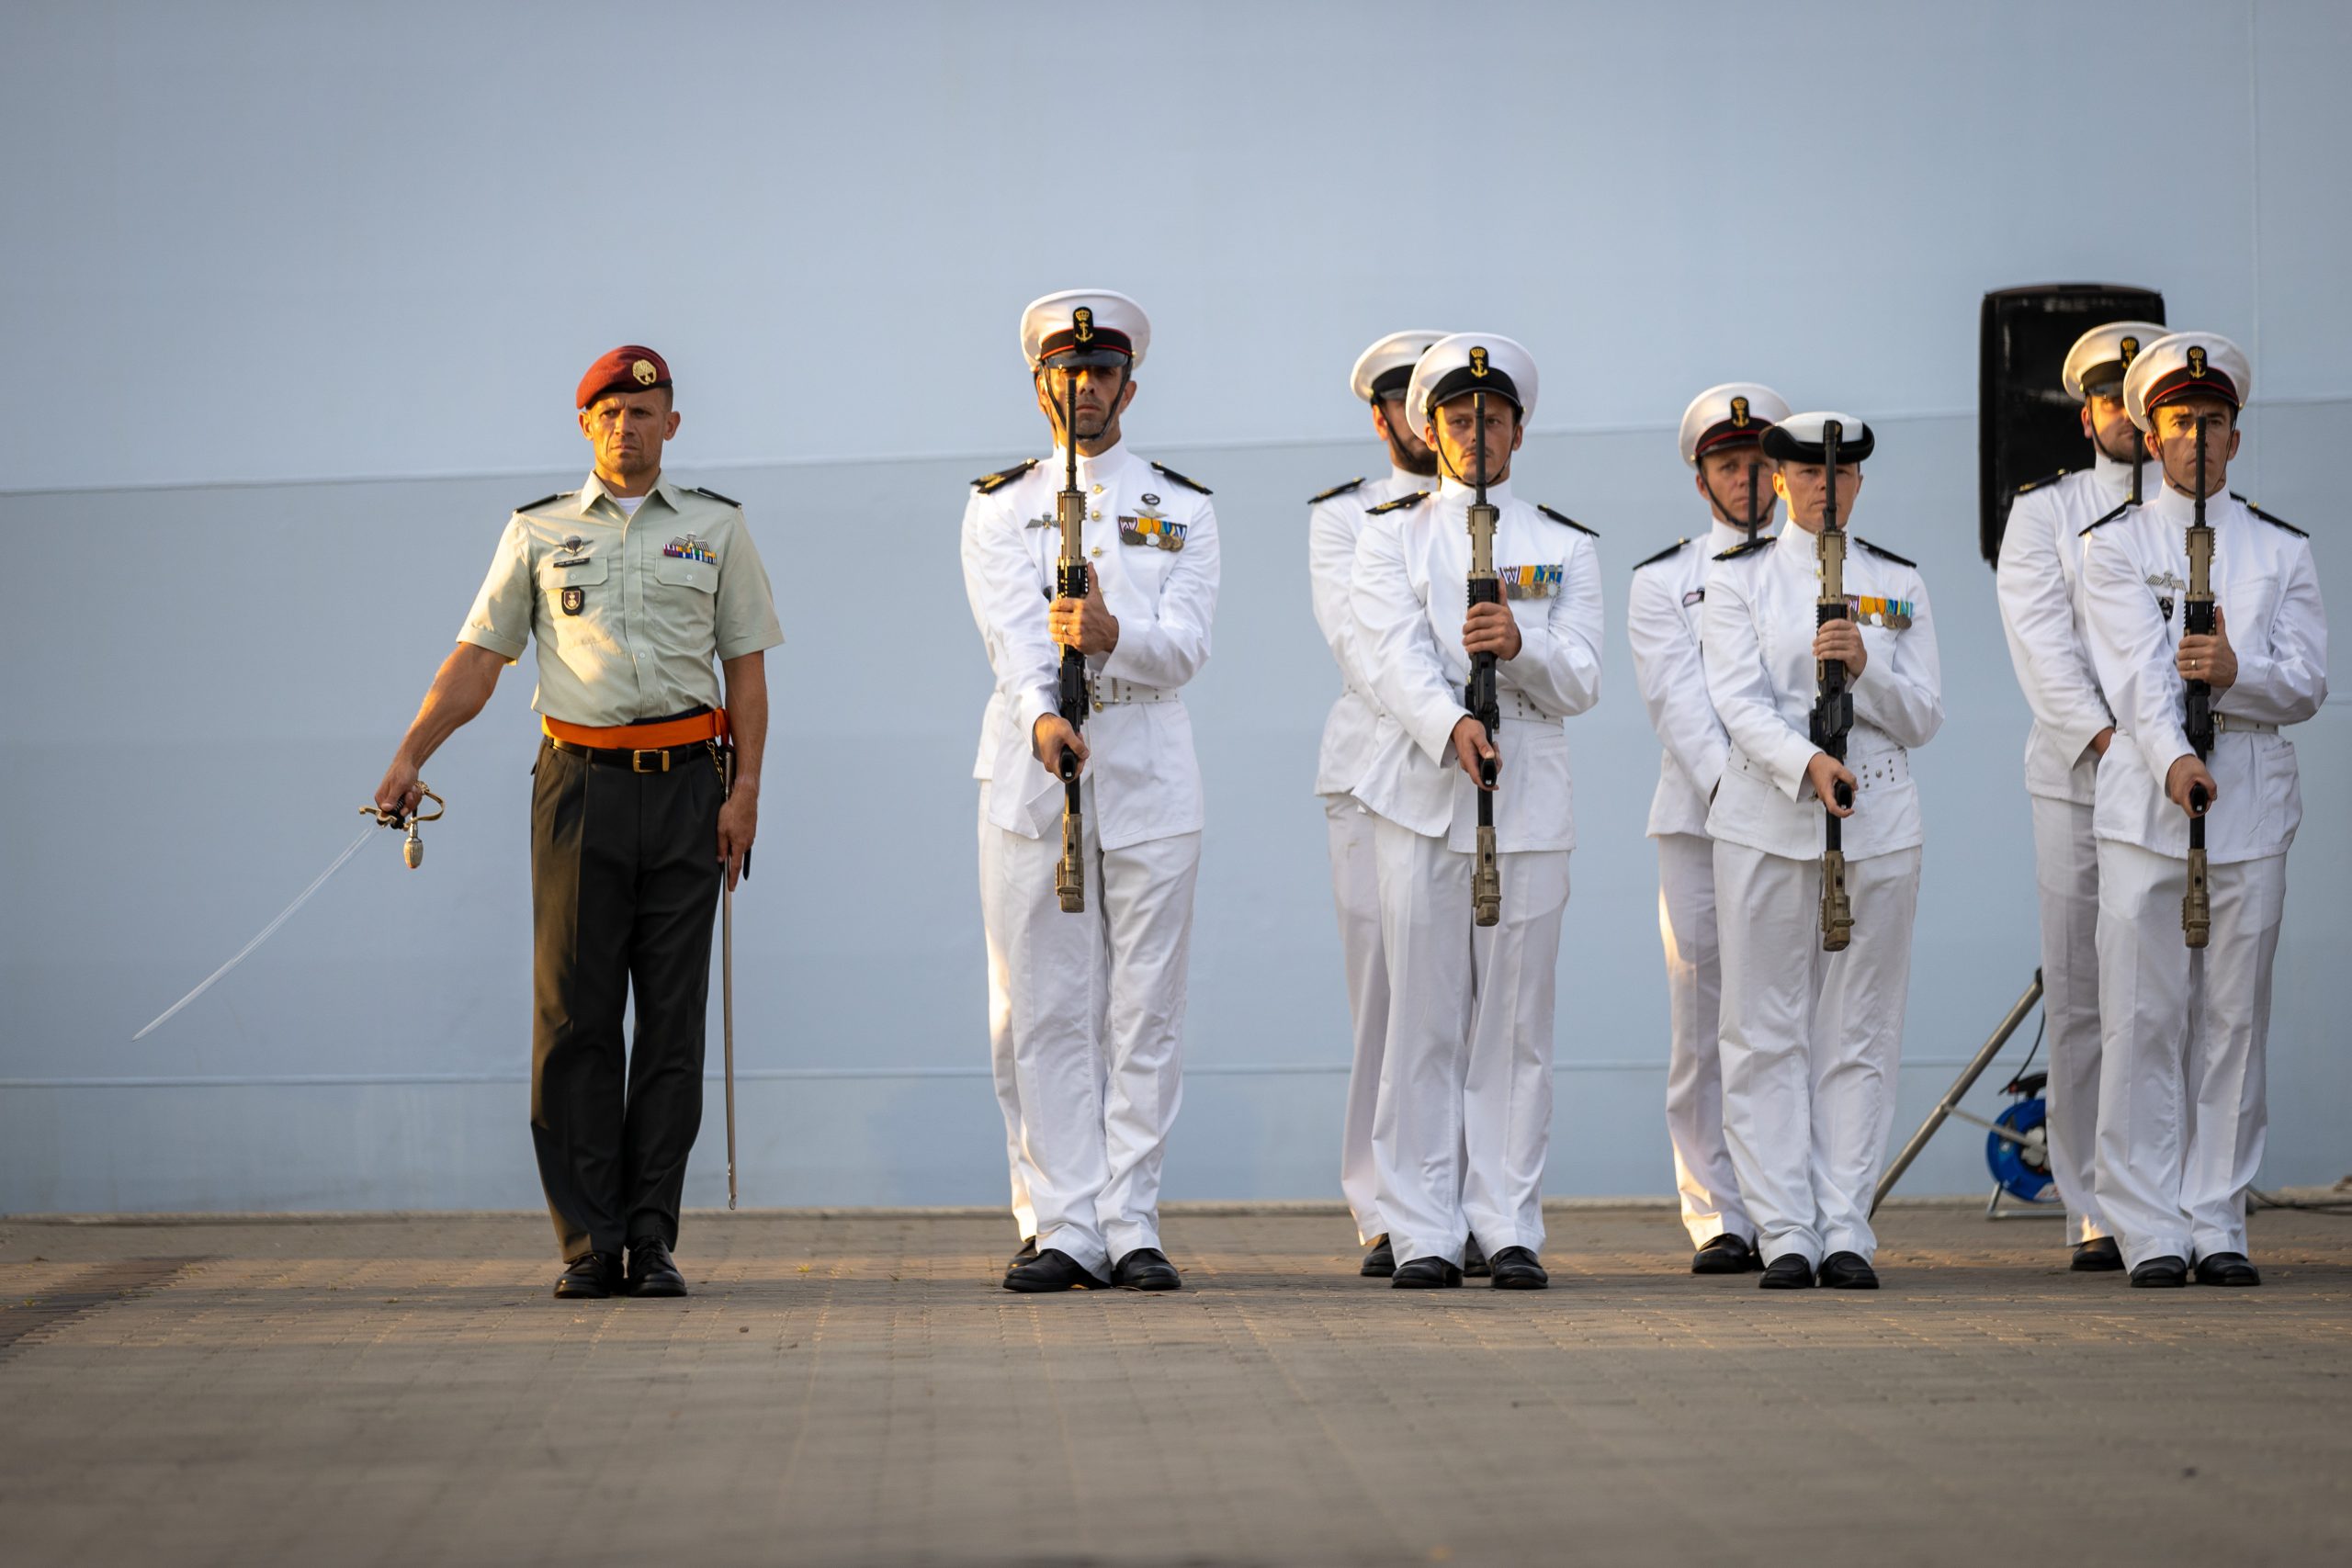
(1164, 472)
(987, 483)
(1883, 552)
(1400, 504)
(1334, 491)
(534, 505)
(2037, 484)
(1563, 517)
(1673, 549)
(2104, 521)
(2274, 522)
(1748, 548)
(722, 499)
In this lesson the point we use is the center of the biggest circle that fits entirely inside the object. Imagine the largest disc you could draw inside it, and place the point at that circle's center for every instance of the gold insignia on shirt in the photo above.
(645, 373)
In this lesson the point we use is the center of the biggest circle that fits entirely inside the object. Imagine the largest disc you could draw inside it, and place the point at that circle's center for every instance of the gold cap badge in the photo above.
(1739, 413)
(1478, 362)
(2131, 349)
(645, 373)
(2197, 363)
(1082, 319)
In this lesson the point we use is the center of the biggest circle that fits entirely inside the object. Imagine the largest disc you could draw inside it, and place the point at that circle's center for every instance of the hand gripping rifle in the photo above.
(1070, 582)
(1833, 702)
(2197, 620)
(1480, 697)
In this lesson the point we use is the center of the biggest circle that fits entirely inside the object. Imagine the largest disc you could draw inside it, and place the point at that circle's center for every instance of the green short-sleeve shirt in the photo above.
(630, 611)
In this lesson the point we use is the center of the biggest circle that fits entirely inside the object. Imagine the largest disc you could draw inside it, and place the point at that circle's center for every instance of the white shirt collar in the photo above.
(1453, 492)
(1102, 469)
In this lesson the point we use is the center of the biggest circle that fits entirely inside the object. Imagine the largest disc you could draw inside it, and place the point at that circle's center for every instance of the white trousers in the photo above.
(1464, 1113)
(1355, 896)
(1694, 1079)
(1086, 1025)
(2065, 861)
(1811, 1042)
(2182, 1115)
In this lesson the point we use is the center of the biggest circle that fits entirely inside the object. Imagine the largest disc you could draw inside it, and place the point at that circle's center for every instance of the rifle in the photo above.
(1070, 582)
(1833, 702)
(1480, 697)
(2197, 620)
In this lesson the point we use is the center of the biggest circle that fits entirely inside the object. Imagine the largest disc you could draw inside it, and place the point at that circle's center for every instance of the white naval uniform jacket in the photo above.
(2038, 583)
(1666, 622)
(1332, 525)
(1151, 541)
(1760, 625)
(1411, 597)
(2135, 568)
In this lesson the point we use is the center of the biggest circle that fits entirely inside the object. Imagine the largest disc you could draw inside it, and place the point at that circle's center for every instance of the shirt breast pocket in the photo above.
(686, 600)
(575, 586)
(2249, 605)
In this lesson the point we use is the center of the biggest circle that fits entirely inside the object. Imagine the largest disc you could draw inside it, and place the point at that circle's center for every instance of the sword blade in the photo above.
(262, 936)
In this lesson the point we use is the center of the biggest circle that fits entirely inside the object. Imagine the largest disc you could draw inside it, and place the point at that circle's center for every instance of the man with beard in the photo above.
(2042, 610)
(1464, 1114)
(632, 585)
(2182, 1108)
(1334, 519)
(1086, 1010)
(1719, 440)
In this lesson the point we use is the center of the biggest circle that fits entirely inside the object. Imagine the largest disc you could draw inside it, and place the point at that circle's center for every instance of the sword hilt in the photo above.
(413, 846)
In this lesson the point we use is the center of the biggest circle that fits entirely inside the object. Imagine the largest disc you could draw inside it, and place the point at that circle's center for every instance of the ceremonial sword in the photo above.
(411, 850)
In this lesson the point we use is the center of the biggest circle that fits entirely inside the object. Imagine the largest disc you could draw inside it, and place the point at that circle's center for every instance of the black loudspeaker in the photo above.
(2026, 425)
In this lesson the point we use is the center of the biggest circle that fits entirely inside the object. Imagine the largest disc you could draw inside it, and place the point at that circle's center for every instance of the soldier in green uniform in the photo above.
(632, 585)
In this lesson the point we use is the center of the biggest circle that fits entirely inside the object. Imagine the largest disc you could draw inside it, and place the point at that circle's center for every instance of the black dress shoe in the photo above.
(2226, 1269)
(592, 1275)
(1474, 1262)
(1028, 1250)
(1381, 1261)
(653, 1272)
(2098, 1256)
(1790, 1271)
(1425, 1274)
(1848, 1271)
(1726, 1254)
(1515, 1268)
(1146, 1269)
(2164, 1273)
(1051, 1269)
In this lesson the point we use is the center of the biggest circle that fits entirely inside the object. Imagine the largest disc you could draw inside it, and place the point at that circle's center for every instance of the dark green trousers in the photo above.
(624, 875)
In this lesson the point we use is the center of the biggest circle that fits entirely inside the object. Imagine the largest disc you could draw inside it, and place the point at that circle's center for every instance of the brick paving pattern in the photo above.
(855, 1389)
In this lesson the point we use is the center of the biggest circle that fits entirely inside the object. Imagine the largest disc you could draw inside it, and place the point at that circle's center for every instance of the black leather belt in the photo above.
(658, 761)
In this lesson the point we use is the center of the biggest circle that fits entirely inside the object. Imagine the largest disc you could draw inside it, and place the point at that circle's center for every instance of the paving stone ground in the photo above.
(855, 1389)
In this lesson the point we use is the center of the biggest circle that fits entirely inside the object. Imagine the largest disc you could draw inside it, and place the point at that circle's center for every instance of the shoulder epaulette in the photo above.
(1674, 548)
(986, 483)
(2110, 517)
(1335, 490)
(1748, 548)
(722, 499)
(2037, 484)
(534, 505)
(1402, 501)
(1882, 551)
(1563, 517)
(1164, 472)
(2274, 522)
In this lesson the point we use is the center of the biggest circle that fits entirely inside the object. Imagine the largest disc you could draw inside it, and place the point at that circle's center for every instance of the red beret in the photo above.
(632, 368)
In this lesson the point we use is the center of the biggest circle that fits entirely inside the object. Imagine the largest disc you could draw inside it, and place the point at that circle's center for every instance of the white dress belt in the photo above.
(1878, 770)
(1109, 690)
(2233, 724)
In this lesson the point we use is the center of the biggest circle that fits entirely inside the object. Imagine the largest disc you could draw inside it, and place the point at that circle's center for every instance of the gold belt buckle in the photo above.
(637, 763)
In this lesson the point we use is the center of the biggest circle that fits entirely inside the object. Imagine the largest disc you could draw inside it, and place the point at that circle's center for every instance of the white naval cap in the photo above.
(1797, 438)
(2186, 365)
(2101, 355)
(1386, 368)
(1472, 361)
(1734, 415)
(1084, 326)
